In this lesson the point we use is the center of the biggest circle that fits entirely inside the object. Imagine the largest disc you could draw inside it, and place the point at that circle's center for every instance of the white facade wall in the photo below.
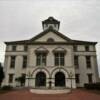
(83, 70)
(31, 66)
(50, 69)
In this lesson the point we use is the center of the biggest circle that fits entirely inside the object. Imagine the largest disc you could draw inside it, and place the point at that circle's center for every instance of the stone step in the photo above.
(50, 91)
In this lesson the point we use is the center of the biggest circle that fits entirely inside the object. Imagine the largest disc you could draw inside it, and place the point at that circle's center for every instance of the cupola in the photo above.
(51, 22)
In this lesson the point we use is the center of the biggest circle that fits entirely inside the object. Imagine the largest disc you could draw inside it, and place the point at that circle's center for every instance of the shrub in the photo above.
(7, 87)
(21, 80)
(92, 86)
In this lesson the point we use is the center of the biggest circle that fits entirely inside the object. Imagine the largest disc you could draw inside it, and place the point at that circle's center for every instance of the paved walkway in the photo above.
(26, 95)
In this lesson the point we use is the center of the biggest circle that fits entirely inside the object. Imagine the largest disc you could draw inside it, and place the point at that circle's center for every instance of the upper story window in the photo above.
(41, 59)
(14, 48)
(88, 61)
(59, 54)
(41, 54)
(59, 59)
(25, 48)
(76, 61)
(86, 48)
(12, 64)
(75, 47)
(50, 40)
(24, 61)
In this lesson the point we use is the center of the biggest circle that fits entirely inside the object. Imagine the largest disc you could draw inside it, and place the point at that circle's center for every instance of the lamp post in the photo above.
(70, 76)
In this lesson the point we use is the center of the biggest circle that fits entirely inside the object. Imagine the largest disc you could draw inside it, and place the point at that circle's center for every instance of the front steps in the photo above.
(50, 91)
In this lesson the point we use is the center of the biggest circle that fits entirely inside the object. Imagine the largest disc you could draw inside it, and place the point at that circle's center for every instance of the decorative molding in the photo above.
(41, 49)
(59, 49)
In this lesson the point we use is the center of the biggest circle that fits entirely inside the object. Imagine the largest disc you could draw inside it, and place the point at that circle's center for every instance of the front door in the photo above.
(40, 80)
(59, 80)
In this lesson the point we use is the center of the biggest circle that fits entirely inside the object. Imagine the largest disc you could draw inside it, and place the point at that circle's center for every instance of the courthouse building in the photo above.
(51, 60)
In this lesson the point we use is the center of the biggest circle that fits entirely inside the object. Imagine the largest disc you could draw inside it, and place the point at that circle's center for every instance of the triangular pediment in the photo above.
(51, 35)
(45, 36)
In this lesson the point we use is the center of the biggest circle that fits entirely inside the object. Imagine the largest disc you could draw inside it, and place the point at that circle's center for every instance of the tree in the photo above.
(21, 80)
(1, 74)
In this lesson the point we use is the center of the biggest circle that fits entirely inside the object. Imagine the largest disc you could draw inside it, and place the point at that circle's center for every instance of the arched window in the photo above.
(50, 40)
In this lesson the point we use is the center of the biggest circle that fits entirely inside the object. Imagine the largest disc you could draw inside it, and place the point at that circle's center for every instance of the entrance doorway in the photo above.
(40, 80)
(59, 80)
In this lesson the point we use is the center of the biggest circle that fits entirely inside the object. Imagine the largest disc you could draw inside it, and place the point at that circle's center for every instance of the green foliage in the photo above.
(92, 86)
(7, 87)
(1, 74)
(21, 80)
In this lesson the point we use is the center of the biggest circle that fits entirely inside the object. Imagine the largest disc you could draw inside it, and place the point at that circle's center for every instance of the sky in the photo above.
(21, 19)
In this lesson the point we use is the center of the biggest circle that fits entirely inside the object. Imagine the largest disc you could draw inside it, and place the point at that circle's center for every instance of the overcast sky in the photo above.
(21, 19)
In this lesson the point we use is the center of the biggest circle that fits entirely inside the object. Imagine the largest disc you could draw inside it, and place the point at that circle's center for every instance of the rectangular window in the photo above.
(75, 48)
(12, 64)
(24, 78)
(14, 48)
(88, 61)
(24, 61)
(86, 48)
(11, 78)
(77, 78)
(41, 59)
(76, 61)
(90, 78)
(59, 59)
(25, 48)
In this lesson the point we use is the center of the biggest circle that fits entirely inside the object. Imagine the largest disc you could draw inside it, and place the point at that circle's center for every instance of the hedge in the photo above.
(92, 86)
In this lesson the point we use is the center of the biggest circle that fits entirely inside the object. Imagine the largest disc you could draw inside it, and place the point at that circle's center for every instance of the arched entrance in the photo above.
(40, 80)
(59, 79)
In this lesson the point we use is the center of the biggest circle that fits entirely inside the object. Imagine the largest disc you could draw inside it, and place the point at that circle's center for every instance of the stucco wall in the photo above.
(69, 61)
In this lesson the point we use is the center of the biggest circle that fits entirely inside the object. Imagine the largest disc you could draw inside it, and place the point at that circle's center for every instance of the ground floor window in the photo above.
(23, 78)
(77, 78)
(11, 78)
(90, 78)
